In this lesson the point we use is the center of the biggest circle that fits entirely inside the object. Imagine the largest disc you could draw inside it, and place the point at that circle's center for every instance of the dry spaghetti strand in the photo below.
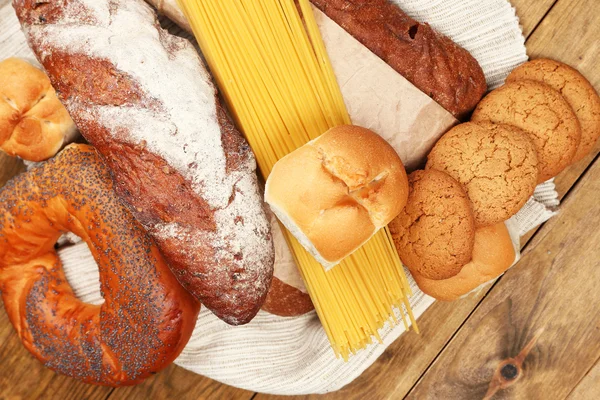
(270, 62)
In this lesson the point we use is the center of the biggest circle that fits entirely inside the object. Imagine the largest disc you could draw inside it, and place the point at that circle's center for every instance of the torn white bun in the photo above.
(337, 191)
(493, 254)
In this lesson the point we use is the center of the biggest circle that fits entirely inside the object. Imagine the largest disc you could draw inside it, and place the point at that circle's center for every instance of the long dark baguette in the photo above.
(432, 62)
(143, 98)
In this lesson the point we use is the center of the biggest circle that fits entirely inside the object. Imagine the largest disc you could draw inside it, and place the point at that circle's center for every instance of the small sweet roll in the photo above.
(34, 125)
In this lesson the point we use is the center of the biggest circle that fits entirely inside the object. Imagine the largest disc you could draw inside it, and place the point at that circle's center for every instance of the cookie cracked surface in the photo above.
(543, 113)
(435, 233)
(575, 88)
(496, 164)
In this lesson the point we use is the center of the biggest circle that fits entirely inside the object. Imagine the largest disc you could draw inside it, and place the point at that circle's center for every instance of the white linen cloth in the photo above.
(292, 355)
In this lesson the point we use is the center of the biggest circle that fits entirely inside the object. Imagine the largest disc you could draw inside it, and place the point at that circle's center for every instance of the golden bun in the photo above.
(34, 124)
(493, 254)
(337, 191)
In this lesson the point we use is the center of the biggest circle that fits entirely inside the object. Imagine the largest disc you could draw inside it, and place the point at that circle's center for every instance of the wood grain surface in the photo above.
(587, 388)
(530, 13)
(551, 290)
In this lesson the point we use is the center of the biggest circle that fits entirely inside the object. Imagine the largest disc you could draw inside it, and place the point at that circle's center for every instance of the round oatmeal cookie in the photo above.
(435, 233)
(541, 112)
(496, 164)
(575, 88)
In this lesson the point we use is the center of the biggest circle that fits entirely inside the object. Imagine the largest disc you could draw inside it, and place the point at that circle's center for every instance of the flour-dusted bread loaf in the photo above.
(143, 98)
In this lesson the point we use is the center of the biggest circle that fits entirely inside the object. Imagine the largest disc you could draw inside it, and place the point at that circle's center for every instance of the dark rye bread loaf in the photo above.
(432, 62)
(143, 98)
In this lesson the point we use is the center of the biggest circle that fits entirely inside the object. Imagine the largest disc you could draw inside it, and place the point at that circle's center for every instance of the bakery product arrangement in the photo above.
(228, 174)
(544, 114)
(521, 134)
(575, 89)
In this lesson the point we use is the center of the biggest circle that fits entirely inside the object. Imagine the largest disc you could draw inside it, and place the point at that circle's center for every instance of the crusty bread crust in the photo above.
(287, 301)
(143, 98)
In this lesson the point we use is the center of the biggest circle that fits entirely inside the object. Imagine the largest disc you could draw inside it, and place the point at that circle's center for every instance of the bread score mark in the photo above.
(360, 190)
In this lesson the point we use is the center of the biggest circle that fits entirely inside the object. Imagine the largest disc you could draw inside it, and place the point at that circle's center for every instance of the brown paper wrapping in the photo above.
(379, 98)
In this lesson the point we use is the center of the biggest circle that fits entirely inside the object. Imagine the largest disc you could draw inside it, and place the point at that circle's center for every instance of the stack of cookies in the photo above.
(452, 235)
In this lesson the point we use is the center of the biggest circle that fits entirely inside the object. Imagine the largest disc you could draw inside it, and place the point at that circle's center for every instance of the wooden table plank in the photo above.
(588, 387)
(178, 383)
(570, 33)
(554, 292)
(531, 13)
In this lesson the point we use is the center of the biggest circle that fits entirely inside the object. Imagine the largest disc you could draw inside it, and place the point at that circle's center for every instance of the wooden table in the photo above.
(545, 311)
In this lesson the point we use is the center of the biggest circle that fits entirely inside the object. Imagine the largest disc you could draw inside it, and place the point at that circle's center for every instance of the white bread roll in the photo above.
(493, 254)
(337, 191)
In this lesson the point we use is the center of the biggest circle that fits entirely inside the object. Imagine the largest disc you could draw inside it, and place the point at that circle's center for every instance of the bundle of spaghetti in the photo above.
(271, 65)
